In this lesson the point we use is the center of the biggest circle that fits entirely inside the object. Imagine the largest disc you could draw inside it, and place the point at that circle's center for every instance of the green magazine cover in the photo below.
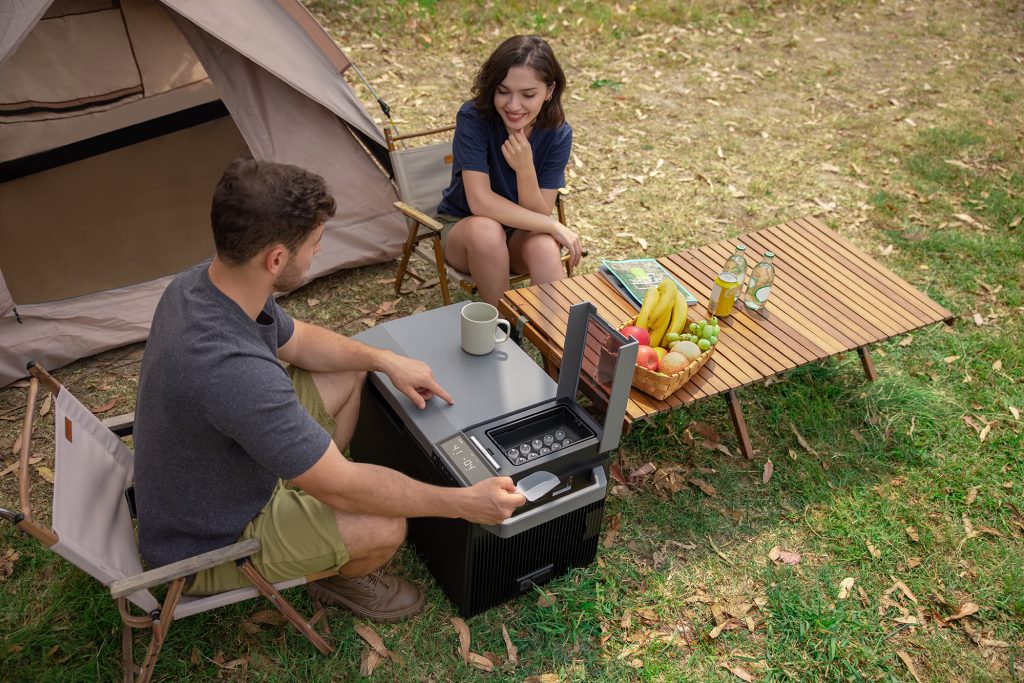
(633, 277)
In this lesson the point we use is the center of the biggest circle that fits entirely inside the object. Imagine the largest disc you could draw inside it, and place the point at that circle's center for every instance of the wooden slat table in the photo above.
(828, 298)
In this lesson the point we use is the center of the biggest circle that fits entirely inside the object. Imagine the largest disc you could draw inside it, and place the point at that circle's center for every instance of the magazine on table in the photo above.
(633, 277)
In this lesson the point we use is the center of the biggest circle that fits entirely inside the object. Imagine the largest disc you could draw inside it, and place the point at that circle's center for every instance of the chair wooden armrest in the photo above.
(176, 570)
(419, 216)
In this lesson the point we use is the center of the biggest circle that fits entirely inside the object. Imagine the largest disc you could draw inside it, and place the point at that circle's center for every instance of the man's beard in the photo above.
(289, 279)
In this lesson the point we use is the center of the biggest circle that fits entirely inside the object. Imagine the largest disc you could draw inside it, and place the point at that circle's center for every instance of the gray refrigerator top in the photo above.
(484, 387)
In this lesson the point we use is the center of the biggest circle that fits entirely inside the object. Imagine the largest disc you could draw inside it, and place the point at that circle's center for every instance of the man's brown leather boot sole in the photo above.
(379, 597)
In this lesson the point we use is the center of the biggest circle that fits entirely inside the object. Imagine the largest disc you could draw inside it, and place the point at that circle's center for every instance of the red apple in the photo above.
(646, 357)
(638, 333)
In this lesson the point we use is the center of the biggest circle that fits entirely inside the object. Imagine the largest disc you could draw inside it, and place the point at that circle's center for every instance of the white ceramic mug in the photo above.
(480, 328)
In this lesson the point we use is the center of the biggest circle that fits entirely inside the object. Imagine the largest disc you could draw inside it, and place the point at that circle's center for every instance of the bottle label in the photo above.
(761, 293)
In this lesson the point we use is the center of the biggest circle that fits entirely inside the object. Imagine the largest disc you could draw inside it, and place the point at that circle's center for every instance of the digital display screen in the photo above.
(464, 458)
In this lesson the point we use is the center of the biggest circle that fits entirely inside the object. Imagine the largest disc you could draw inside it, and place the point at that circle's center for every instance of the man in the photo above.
(232, 444)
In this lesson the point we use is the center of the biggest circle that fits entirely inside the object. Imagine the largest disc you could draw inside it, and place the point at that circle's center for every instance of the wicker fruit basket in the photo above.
(660, 385)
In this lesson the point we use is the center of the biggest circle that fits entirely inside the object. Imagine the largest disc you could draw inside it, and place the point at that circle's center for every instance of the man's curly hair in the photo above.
(260, 203)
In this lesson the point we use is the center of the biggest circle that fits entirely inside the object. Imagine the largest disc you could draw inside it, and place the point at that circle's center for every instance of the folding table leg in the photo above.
(739, 423)
(869, 365)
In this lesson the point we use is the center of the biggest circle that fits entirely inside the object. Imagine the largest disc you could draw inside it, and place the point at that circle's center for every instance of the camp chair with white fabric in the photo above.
(422, 173)
(92, 528)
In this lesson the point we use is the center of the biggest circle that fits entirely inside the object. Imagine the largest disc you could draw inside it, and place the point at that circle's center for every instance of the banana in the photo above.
(643, 319)
(662, 314)
(678, 314)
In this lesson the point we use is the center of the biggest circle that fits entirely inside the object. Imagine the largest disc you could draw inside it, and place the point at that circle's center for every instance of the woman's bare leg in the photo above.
(537, 254)
(476, 245)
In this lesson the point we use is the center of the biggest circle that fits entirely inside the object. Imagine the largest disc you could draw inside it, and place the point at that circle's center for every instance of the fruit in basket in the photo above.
(673, 363)
(646, 357)
(679, 310)
(638, 333)
(704, 344)
(688, 349)
(643, 318)
(662, 352)
(670, 339)
(661, 316)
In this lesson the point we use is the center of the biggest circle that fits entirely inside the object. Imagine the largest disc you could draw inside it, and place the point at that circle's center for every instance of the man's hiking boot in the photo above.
(379, 597)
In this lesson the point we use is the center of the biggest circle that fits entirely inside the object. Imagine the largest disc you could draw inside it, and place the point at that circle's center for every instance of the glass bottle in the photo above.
(759, 287)
(737, 263)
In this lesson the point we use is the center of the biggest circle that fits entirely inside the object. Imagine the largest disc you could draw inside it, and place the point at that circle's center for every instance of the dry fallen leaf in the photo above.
(16, 446)
(546, 599)
(875, 552)
(777, 554)
(984, 432)
(45, 472)
(739, 672)
(613, 530)
(905, 590)
(707, 488)
(105, 407)
(368, 662)
(766, 475)
(909, 664)
(513, 651)
(470, 658)
(912, 533)
(972, 495)
(644, 470)
(47, 404)
(7, 560)
(707, 431)
(906, 341)
(950, 359)
(372, 639)
(1015, 412)
(966, 610)
(543, 678)
(845, 586)
(801, 440)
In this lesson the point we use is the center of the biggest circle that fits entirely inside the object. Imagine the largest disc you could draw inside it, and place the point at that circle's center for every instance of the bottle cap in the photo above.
(740, 247)
(769, 254)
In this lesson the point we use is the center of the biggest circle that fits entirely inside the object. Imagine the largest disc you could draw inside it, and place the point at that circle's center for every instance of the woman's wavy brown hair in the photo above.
(531, 51)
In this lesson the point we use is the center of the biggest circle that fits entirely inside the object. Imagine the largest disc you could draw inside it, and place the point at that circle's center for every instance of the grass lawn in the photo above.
(888, 544)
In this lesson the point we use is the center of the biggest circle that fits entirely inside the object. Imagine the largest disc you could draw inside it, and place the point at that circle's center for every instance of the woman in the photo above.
(510, 150)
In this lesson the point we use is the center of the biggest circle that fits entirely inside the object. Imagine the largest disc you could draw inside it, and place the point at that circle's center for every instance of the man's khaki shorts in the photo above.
(298, 534)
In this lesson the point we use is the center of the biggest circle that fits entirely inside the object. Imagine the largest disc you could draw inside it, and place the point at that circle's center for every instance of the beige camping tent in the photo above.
(117, 118)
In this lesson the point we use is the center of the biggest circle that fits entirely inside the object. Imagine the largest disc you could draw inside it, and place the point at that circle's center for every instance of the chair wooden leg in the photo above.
(283, 606)
(160, 627)
(869, 365)
(442, 272)
(403, 266)
(739, 423)
(128, 668)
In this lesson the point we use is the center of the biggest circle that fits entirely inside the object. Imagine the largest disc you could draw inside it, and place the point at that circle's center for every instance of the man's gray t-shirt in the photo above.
(217, 422)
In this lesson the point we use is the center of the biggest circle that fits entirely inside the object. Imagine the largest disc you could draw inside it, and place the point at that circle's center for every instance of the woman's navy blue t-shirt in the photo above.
(477, 147)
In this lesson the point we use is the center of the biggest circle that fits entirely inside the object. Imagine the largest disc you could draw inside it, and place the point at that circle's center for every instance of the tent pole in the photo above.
(380, 103)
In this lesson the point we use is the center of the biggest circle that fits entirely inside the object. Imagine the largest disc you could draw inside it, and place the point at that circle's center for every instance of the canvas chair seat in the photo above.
(422, 173)
(92, 528)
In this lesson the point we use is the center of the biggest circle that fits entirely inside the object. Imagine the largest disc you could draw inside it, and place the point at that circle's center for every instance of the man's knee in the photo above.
(337, 389)
(393, 533)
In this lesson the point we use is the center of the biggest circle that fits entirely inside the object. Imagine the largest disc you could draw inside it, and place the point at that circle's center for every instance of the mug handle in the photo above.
(507, 328)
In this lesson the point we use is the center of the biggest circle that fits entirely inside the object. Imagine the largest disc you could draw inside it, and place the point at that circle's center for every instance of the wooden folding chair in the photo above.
(92, 528)
(422, 173)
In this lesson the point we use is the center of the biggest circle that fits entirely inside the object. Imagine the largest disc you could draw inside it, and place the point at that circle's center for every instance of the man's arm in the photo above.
(370, 489)
(317, 349)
